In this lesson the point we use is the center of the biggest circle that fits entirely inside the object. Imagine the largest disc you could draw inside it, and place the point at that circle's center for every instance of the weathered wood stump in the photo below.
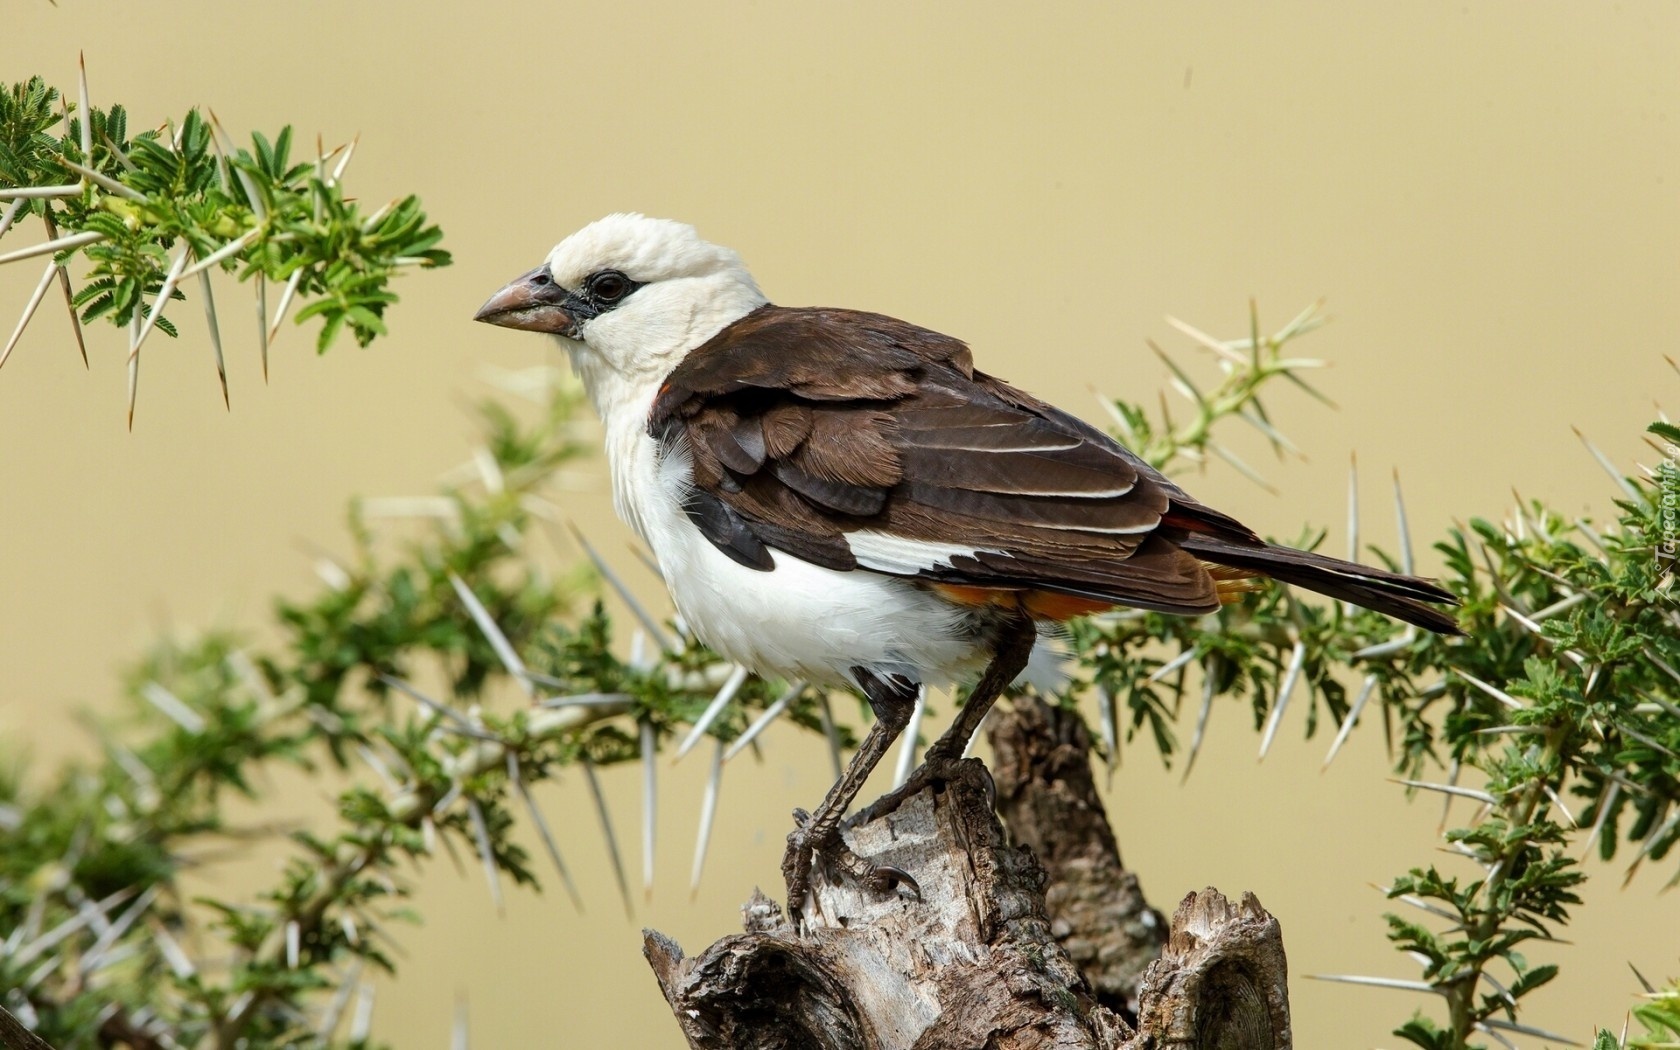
(981, 960)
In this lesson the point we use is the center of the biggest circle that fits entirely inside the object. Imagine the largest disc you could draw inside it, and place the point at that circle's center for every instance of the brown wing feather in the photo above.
(805, 425)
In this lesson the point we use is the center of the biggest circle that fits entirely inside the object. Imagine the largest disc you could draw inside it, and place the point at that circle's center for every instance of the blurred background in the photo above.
(1485, 193)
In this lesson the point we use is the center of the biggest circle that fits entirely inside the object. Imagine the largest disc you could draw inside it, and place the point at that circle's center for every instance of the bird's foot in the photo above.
(937, 769)
(810, 845)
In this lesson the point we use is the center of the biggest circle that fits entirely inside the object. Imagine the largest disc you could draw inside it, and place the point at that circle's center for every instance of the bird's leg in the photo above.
(893, 698)
(941, 763)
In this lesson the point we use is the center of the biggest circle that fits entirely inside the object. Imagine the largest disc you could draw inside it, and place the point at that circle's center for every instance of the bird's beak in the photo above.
(531, 302)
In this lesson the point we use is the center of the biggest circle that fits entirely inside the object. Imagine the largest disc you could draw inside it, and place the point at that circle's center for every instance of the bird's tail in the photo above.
(1402, 597)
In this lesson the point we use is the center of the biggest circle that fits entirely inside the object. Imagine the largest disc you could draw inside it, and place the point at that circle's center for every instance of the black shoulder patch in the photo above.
(726, 530)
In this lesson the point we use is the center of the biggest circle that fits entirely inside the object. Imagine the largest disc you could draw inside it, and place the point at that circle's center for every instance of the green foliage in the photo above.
(140, 208)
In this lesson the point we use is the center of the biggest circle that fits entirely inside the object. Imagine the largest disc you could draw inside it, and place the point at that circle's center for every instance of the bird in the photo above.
(842, 497)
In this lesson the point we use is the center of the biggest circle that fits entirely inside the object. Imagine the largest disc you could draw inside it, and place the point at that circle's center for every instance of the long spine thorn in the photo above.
(1352, 519)
(103, 181)
(133, 364)
(285, 303)
(831, 732)
(57, 244)
(907, 746)
(605, 819)
(1297, 657)
(641, 614)
(708, 814)
(547, 837)
(11, 213)
(35, 193)
(1407, 562)
(725, 693)
(344, 161)
(237, 244)
(1110, 727)
(1365, 690)
(770, 714)
(64, 284)
(170, 281)
(492, 632)
(29, 309)
(481, 835)
(262, 322)
(215, 334)
(650, 803)
(83, 105)
(1201, 723)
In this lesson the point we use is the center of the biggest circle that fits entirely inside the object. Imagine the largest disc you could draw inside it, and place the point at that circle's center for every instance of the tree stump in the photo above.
(979, 960)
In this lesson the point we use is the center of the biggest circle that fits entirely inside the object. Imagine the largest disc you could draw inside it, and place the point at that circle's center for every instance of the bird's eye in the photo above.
(609, 286)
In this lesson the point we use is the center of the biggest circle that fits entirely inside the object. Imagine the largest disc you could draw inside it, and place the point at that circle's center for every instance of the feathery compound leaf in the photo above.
(128, 205)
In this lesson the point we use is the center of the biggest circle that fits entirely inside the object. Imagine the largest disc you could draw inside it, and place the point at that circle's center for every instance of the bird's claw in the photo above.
(806, 844)
(884, 878)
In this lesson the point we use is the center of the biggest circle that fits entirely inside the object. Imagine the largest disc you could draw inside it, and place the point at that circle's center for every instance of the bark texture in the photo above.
(1048, 800)
(981, 960)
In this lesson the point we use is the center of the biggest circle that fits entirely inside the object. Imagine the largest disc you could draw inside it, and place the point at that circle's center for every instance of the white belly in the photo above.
(798, 620)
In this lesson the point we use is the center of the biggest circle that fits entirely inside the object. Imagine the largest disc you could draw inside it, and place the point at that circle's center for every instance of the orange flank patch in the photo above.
(1232, 583)
(1040, 605)
(1229, 584)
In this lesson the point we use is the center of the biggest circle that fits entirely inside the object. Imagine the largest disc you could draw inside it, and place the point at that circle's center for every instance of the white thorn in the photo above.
(170, 280)
(1448, 789)
(770, 714)
(262, 321)
(362, 1021)
(731, 686)
(71, 240)
(493, 634)
(1297, 657)
(19, 194)
(237, 244)
(1110, 726)
(831, 732)
(653, 629)
(9, 214)
(85, 107)
(225, 142)
(481, 833)
(1352, 717)
(1352, 519)
(546, 835)
(103, 181)
(650, 803)
(1497, 694)
(133, 364)
(1406, 563)
(215, 334)
(29, 310)
(907, 741)
(1174, 664)
(1609, 467)
(1201, 722)
(708, 813)
(285, 302)
(613, 855)
(1377, 982)
(344, 161)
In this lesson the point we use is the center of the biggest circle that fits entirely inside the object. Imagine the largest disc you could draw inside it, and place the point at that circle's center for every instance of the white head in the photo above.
(628, 297)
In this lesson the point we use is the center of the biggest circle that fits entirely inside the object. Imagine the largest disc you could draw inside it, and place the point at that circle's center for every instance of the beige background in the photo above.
(1486, 193)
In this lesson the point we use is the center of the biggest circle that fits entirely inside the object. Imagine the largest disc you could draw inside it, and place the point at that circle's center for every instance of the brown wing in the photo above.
(857, 441)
